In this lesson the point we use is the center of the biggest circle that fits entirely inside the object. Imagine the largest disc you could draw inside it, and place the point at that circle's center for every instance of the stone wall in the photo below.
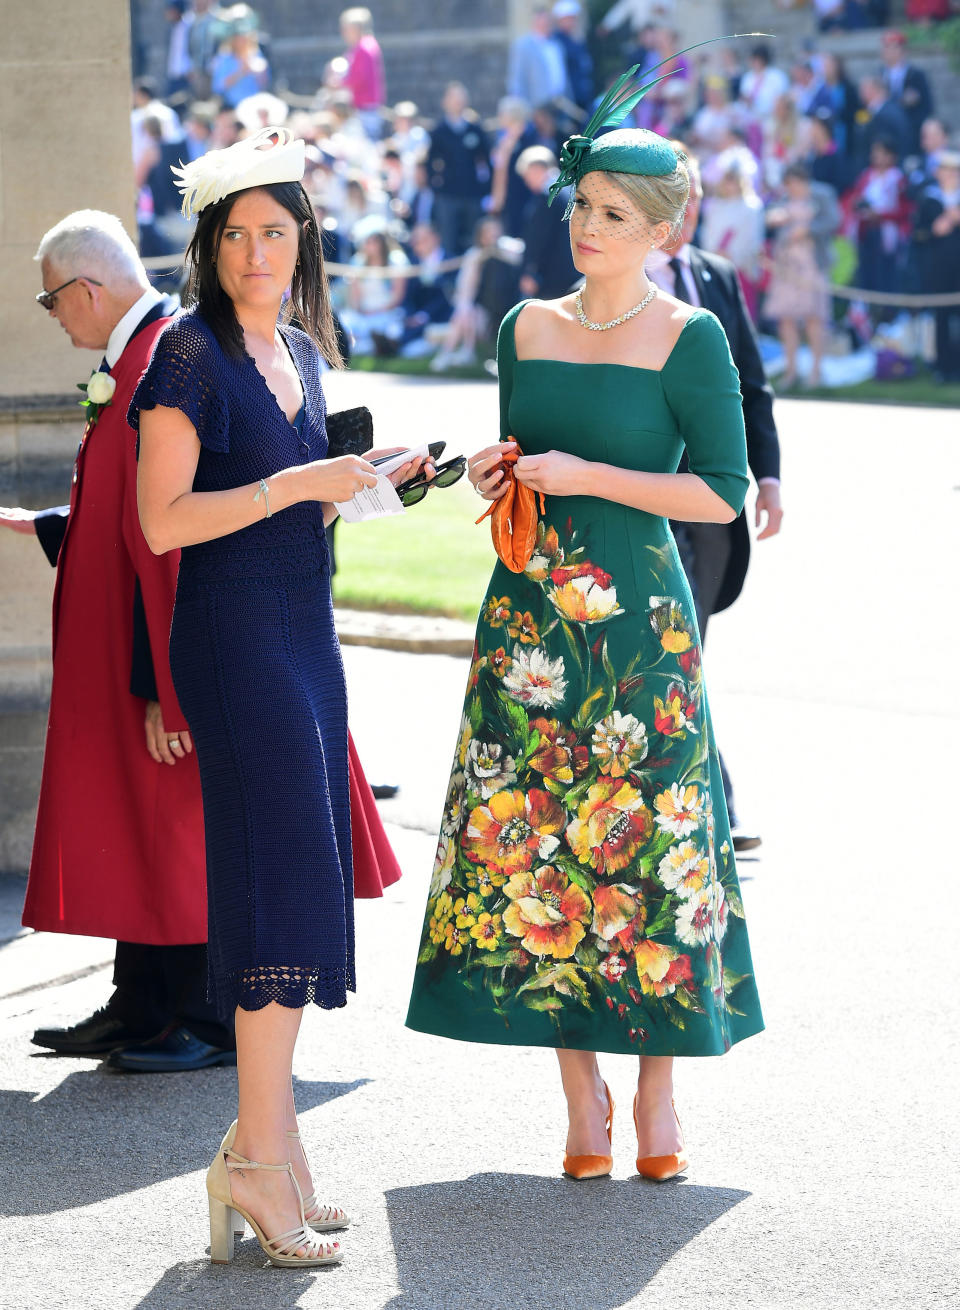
(64, 145)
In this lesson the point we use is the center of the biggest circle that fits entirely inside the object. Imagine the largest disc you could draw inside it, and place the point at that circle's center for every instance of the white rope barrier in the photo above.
(355, 272)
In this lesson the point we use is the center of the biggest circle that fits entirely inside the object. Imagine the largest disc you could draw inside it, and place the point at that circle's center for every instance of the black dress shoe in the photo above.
(384, 791)
(102, 1032)
(175, 1050)
(745, 840)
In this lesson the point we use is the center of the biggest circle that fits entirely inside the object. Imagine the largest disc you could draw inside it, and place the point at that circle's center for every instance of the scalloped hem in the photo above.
(292, 986)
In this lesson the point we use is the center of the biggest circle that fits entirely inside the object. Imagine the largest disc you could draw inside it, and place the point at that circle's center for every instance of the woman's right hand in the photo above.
(485, 470)
(339, 479)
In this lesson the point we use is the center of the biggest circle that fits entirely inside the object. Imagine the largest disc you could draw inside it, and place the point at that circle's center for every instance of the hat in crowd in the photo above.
(949, 159)
(566, 9)
(893, 37)
(264, 159)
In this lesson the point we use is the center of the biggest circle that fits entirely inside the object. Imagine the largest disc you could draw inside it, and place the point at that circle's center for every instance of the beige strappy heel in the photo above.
(280, 1250)
(321, 1218)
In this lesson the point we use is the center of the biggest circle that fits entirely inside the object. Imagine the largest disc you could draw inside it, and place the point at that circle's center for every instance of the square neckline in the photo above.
(602, 363)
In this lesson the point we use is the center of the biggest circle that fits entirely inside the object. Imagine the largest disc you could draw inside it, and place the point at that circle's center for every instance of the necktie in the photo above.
(679, 284)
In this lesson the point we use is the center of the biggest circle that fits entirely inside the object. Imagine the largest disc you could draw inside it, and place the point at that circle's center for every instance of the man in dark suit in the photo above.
(458, 168)
(908, 87)
(548, 270)
(886, 121)
(715, 555)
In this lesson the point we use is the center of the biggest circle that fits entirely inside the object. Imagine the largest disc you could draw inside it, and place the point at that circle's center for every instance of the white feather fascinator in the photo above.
(267, 157)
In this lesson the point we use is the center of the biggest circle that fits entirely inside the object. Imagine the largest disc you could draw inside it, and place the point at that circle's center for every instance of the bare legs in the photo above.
(265, 1042)
(586, 1103)
(789, 332)
(657, 1129)
(658, 1132)
(815, 334)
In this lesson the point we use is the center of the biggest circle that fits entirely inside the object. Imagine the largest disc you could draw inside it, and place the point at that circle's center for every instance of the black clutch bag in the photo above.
(349, 432)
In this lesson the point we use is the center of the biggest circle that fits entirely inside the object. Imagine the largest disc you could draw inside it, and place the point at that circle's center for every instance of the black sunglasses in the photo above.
(413, 491)
(46, 298)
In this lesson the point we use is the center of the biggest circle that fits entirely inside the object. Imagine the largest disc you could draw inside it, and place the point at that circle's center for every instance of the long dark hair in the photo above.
(309, 301)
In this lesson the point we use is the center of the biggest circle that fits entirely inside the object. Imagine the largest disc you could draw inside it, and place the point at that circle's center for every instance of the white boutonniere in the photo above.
(98, 393)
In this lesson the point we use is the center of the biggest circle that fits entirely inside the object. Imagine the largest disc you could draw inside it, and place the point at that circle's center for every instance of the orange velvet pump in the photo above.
(593, 1166)
(660, 1168)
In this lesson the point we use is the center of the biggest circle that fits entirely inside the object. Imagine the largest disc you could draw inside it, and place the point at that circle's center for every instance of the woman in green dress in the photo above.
(584, 894)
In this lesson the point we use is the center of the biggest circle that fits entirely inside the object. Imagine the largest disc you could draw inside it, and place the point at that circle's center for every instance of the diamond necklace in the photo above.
(614, 322)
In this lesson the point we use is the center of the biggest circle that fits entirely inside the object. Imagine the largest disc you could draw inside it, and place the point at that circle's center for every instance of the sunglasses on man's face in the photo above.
(413, 490)
(47, 298)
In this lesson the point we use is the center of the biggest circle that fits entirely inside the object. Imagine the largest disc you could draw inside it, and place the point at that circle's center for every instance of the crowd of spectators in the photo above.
(437, 221)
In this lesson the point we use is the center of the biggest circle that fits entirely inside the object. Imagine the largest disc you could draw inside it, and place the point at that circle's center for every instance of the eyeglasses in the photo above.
(46, 298)
(414, 490)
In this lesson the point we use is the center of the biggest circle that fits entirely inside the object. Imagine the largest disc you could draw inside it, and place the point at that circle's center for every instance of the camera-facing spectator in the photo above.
(804, 223)
(508, 194)
(879, 214)
(908, 87)
(548, 270)
(459, 167)
(240, 70)
(364, 77)
(568, 33)
(937, 238)
(881, 119)
(375, 304)
(536, 69)
(733, 226)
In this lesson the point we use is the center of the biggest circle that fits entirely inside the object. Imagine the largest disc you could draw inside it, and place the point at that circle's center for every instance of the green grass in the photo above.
(923, 389)
(432, 559)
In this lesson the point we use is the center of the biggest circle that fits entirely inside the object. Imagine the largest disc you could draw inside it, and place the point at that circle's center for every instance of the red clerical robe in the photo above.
(118, 850)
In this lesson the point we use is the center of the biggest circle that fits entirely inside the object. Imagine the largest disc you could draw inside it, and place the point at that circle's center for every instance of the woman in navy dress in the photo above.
(231, 419)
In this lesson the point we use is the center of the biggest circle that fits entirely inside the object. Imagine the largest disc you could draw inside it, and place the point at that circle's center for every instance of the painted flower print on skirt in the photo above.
(584, 892)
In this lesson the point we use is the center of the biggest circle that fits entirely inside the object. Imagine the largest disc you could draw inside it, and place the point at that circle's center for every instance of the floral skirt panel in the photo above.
(584, 892)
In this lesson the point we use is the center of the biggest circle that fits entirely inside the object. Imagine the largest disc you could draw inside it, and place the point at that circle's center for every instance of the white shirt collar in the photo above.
(659, 259)
(120, 336)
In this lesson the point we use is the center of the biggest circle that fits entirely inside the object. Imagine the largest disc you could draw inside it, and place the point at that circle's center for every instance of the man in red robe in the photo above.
(118, 850)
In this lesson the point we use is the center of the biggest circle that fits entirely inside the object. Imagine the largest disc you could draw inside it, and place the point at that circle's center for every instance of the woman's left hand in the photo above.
(554, 473)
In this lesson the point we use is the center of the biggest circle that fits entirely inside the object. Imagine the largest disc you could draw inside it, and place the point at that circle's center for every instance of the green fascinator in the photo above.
(631, 150)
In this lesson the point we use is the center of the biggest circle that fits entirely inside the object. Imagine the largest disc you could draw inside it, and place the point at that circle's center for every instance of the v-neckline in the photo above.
(296, 368)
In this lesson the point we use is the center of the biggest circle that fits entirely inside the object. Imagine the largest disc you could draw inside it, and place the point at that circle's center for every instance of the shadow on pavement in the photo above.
(248, 1280)
(98, 1135)
(505, 1241)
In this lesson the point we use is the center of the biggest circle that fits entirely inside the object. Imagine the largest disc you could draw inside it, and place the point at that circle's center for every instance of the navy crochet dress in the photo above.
(257, 669)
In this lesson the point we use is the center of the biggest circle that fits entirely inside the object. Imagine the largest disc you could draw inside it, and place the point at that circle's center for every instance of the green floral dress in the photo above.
(584, 892)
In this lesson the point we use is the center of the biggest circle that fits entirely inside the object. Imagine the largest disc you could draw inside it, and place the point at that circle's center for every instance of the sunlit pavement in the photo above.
(824, 1153)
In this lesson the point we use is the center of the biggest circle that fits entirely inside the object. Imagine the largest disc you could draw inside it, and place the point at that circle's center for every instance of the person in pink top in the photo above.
(364, 78)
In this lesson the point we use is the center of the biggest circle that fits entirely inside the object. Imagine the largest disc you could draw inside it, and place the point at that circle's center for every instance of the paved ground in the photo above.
(824, 1153)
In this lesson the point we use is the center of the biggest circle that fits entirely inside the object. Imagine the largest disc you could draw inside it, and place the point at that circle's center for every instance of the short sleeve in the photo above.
(506, 358)
(702, 388)
(185, 373)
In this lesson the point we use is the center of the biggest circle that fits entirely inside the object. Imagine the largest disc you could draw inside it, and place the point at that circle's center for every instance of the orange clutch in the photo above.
(513, 517)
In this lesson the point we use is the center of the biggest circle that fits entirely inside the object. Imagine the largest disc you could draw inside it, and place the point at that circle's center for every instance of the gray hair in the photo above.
(94, 244)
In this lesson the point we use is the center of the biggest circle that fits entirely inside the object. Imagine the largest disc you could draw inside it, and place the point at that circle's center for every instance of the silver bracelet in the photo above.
(263, 490)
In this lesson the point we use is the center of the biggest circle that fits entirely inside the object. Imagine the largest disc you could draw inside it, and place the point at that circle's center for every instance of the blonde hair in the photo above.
(659, 199)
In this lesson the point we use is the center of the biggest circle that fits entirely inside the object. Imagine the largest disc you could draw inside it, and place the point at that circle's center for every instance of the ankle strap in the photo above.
(235, 1161)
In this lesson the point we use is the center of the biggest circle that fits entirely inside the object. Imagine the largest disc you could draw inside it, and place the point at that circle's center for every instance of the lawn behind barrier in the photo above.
(432, 559)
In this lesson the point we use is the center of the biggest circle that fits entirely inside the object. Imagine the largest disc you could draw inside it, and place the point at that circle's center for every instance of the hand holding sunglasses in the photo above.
(414, 489)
